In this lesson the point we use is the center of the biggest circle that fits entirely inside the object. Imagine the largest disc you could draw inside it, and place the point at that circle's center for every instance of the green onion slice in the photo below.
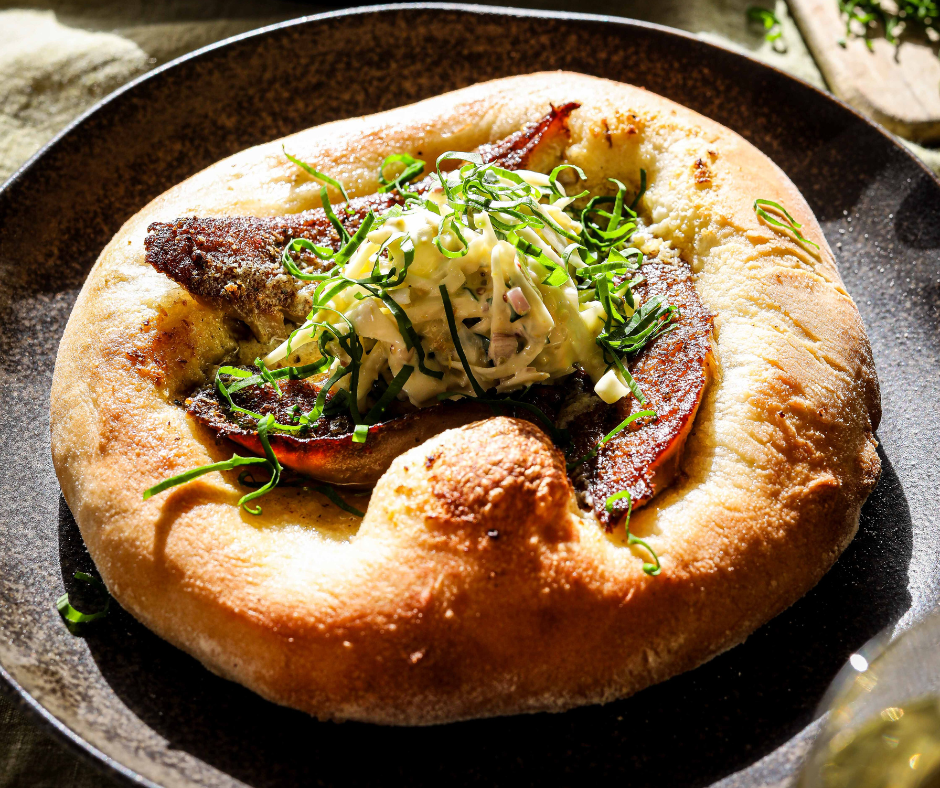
(316, 174)
(263, 427)
(790, 224)
(391, 392)
(452, 325)
(553, 178)
(619, 428)
(411, 169)
(650, 569)
(187, 476)
(73, 617)
(328, 492)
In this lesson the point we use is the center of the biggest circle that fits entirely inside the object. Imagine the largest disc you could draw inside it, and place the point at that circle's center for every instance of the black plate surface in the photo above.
(156, 716)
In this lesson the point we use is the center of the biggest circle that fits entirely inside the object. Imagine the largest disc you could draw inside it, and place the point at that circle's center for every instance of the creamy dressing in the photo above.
(507, 348)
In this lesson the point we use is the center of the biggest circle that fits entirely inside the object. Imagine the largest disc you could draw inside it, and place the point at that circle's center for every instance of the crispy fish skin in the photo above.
(234, 263)
(325, 450)
(672, 372)
(532, 145)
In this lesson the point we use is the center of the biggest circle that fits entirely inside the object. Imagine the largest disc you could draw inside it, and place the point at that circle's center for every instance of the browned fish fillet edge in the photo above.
(234, 263)
(672, 372)
(326, 451)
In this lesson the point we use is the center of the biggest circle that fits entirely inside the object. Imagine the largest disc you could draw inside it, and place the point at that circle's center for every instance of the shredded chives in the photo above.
(619, 428)
(409, 335)
(454, 225)
(316, 174)
(187, 476)
(452, 325)
(74, 619)
(641, 192)
(326, 490)
(610, 505)
(390, 394)
(263, 426)
(331, 495)
(553, 178)
(790, 224)
(411, 169)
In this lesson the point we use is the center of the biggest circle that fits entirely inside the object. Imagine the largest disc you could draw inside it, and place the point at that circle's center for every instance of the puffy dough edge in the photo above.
(424, 616)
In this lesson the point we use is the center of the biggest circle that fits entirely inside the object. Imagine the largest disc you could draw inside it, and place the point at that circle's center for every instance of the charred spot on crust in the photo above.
(701, 173)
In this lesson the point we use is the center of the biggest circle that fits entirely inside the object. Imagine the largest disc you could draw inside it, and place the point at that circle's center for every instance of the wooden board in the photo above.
(899, 88)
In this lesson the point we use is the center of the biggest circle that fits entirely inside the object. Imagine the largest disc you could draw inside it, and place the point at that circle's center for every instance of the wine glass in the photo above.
(883, 728)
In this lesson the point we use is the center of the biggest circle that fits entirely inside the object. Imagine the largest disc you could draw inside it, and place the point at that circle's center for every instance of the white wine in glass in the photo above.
(883, 728)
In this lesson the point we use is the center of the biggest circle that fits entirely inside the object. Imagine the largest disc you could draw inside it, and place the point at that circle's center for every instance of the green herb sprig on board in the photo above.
(767, 19)
(921, 16)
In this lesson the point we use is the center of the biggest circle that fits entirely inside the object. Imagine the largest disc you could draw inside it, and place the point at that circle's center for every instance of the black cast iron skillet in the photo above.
(149, 713)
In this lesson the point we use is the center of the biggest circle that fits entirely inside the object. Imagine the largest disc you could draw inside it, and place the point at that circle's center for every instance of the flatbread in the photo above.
(475, 585)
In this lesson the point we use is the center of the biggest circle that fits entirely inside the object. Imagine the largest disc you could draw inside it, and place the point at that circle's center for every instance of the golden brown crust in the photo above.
(474, 586)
